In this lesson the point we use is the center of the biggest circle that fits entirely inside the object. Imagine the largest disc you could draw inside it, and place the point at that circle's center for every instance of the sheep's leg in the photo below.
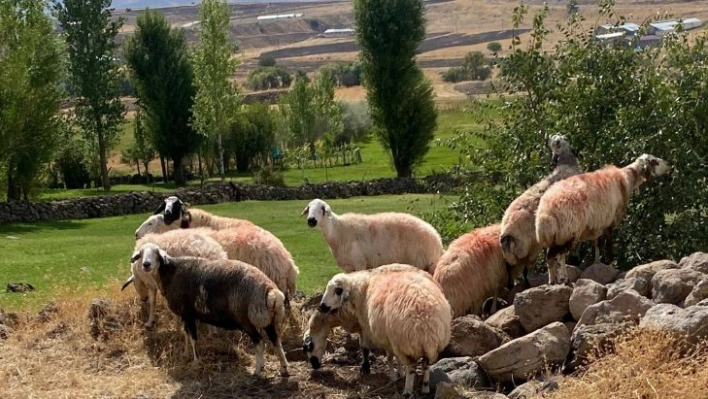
(608, 245)
(426, 376)
(410, 379)
(277, 348)
(260, 353)
(190, 331)
(563, 270)
(552, 270)
(596, 247)
(151, 314)
(391, 370)
(526, 276)
(212, 329)
(365, 365)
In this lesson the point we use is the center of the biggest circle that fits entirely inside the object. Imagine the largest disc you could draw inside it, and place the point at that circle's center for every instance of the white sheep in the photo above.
(224, 293)
(471, 270)
(404, 312)
(360, 242)
(586, 206)
(176, 243)
(248, 243)
(518, 226)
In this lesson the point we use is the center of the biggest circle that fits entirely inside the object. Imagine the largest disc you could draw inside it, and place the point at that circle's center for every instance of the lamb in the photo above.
(518, 230)
(403, 311)
(360, 242)
(471, 270)
(192, 217)
(224, 293)
(585, 206)
(248, 243)
(177, 243)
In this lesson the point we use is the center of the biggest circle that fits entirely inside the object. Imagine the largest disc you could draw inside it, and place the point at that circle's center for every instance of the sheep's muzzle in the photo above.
(324, 308)
(315, 363)
(312, 222)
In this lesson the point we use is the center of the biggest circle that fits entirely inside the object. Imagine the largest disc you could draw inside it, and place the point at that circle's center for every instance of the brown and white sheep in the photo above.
(248, 243)
(518, 226)
(176, 243)
(404, 312)
(471, 270)
(224, 293)
(359, 242)
(586, 206)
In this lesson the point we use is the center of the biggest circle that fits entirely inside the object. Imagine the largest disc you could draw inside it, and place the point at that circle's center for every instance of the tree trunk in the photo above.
(241, 164)
(179, 172)
(220, 150)
(404, 170)
(164, 169)
(201, 171)
(14, 191)
(103, 161)
(137, 165)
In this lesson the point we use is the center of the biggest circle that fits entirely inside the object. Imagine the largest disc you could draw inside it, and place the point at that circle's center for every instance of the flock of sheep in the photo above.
(400, 288)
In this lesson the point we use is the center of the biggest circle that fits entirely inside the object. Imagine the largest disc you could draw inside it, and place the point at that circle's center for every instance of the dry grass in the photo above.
(56, 357)
(644, 365)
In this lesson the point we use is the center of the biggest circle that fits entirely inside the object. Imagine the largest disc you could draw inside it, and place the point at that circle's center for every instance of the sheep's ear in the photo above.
(127, 282)
(136, 255)
(186, 220)
(345, 297)
(160, 208)
(305, 211)
(165, 257)
(327, 210)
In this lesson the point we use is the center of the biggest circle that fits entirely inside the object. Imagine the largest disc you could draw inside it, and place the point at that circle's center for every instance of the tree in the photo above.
(141, 151)
(158, 59)
(400, 97)
(494, 47)
(31, 69)
(90, 32)
(216, 100)
(252, 136)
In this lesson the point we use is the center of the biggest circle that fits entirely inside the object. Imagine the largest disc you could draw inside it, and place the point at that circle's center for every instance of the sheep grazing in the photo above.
(518, 230)
(360, 242)
(586, 206)
(403, 311)
(471, 270)
(224, 293)
(249, 243)
(177, 243)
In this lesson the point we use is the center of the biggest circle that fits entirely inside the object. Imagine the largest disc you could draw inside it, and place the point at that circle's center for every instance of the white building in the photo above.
(338, 32)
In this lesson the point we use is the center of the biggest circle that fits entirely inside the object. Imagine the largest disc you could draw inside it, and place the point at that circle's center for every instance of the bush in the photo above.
(475, 67)
(269, 177)
(494, 47)
(656, 102)
(266, 61)
(268, 77)
(73, 168)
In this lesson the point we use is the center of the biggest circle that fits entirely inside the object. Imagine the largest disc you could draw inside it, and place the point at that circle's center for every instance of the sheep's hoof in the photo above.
(149, 325)
(284, 372)
(365, 369)
(407, 395)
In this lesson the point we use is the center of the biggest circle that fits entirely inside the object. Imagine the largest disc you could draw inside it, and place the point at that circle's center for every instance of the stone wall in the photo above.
(141, 202)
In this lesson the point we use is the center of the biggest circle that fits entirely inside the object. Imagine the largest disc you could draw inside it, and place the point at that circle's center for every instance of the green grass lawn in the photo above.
(93, 252)
(376, 163)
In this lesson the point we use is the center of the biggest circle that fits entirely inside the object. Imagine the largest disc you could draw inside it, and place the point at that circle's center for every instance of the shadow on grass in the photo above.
(58, 225)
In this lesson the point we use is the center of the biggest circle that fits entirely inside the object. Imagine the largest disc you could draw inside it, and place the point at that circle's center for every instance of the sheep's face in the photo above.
(653, 166)
(172, 208)
(151, 257)
(559, 145)
(316, 210)
(336, 293)
(314, 342)
(153, 224)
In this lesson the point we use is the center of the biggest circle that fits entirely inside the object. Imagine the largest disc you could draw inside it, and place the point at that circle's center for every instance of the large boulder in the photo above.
(698, 293)
(526, 356)
(542, 305)
(588, 340)
(472, 337)
(508, 321)
(600, 273)
(586, 292)
(462, 371)
(691, 322)
(627, 306)
(697, 261)
(639, 284)
(674, 285)
(648, 270)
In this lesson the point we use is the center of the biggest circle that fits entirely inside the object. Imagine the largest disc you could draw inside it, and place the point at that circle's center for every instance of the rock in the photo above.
(5, 331)
(697, 261)
(628, 305)
(648, 270)
(697, 294)
(542, 305)
(101, 321)
(638, 284)
(535, 388)
(472, 337)
(447, 390)
(47, 311)
(702, 303)
(600, 273)
(19, 287)
(570, 325)
(537, 280)
(588, 340)
(508, 321)
(586, 292)
(528, 355)
(691, 322)
(674, 285)
(573, 273)
(463, 371)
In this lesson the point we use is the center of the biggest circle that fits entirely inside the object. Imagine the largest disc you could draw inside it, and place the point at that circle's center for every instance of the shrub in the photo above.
(475, 67)
(494, 47)
(268, 77)
(266, 61)
(269, 177)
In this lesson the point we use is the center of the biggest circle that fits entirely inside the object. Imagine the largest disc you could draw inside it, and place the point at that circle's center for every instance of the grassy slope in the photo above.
(94, 251)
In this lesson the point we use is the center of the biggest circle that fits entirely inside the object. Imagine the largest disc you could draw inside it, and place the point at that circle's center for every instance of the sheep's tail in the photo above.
(275, 302)
(130, 280)
(508, 243)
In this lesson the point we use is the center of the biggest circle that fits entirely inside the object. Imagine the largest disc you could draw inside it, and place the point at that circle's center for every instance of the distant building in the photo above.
(338, 32)
(278, 16)
(660, 28)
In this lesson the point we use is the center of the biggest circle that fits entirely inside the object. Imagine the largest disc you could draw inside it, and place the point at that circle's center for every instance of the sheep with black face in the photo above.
(224, 293)
(360, 242)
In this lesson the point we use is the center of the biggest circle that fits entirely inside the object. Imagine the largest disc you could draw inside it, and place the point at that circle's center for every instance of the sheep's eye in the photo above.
(338, 291)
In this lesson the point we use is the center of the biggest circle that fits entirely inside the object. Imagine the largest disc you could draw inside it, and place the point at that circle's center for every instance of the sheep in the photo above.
(172, 208)
(190, 219)
(402, 311)
(518, 230)
(586, 206)
(177, 243)
(248, 243)
(471, 270)
(360, 242)
(224, 293)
